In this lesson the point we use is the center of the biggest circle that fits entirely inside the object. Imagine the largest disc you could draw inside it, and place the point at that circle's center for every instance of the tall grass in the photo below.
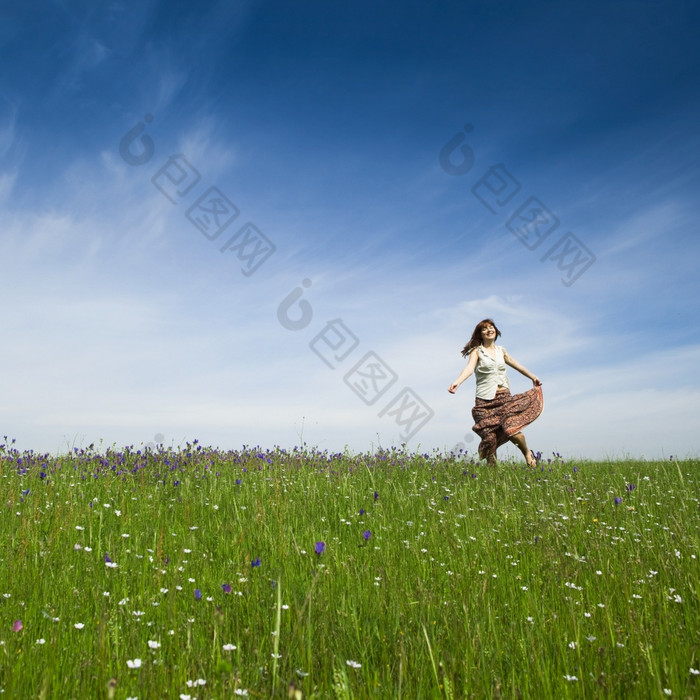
(270, 573)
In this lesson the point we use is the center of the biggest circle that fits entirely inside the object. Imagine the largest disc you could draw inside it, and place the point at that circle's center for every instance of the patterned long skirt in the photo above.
(498, 419)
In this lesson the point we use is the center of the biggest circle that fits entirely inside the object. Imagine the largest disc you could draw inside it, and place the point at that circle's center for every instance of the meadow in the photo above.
(192, 572)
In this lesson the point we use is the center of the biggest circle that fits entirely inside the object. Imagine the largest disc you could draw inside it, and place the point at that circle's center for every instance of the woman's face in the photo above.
(488, 332)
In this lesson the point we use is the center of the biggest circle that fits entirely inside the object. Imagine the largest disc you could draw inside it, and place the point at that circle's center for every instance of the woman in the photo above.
(498, 415)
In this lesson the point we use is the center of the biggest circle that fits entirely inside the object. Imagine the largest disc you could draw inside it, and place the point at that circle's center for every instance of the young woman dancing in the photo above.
(498, 415)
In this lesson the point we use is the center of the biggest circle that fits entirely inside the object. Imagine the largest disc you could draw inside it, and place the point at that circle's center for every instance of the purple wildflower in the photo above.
(367, 534)
(631, 487)
(376, 495)
(107, 559)
(618, 500)
(319, 548)
(362, 511)
(255, 562)
(197, 594)
(226, 588)
(17, 626)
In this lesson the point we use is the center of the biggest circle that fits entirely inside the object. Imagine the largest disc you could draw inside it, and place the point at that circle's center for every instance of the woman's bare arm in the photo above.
(466, 372)
(516, 365)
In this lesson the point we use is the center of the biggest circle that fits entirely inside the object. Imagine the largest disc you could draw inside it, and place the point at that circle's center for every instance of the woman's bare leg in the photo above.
(490, 458)
(519, 441)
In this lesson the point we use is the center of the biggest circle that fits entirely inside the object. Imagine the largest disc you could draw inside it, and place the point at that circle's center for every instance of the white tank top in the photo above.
(490, 373)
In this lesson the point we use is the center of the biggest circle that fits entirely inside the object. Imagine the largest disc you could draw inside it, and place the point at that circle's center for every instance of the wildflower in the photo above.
(362, 511)
(41, 641)
(376, 495)
(367, 534)
(570, 678)
(240, 691)
(695, 672)
(133, 663)
(226, 588)
(572, 645)
(255, 562)
(229, 647)
(17, 626)
(319, 548)
(618, 500)
(667, 691)
(78, 625)
(353, 664)
(153, 645)
(197, 594)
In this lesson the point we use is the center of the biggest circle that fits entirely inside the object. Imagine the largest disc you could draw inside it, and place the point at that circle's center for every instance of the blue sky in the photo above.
(320, 127)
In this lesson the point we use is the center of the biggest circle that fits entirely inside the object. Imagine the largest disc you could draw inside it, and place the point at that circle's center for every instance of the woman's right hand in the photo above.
(453, 388)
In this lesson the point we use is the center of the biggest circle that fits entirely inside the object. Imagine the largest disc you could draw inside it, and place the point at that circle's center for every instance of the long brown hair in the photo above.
(475, 340)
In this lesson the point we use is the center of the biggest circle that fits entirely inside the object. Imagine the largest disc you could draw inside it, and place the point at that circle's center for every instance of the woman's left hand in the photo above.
(536, 381)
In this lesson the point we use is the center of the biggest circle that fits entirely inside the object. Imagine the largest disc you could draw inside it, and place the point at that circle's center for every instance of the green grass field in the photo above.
(272, 574)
